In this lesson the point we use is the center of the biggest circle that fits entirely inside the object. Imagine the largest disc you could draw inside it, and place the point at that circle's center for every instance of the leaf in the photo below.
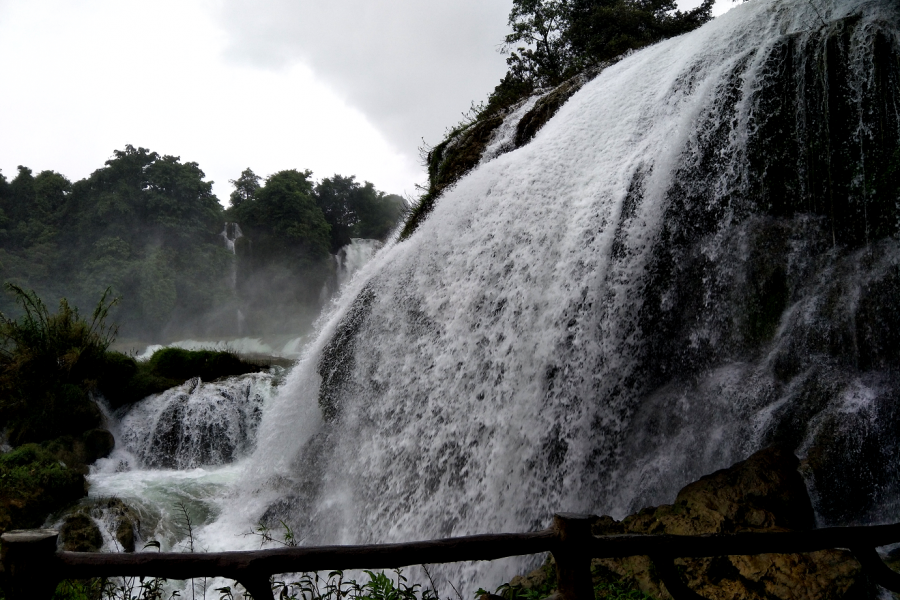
(152, 544)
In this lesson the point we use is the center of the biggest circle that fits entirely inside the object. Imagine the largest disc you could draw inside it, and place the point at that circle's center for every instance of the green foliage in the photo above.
(145, 225)
(148, 227)
(176, 363)
(48, 364)
(245, 187)
(34, 484)
(606, 587)
(125, 381)
(380, 586)
(357, 211)
(560, 38)
(284, 220)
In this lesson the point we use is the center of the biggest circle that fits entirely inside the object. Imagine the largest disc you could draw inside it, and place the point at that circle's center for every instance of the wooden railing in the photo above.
(32, 566)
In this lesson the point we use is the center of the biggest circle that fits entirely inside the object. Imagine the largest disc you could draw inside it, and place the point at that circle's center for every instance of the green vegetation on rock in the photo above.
(33, 484)
(554, 48)
(49, 363)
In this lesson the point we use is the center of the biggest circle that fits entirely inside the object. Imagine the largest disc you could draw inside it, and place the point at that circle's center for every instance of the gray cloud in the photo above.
(411, 66)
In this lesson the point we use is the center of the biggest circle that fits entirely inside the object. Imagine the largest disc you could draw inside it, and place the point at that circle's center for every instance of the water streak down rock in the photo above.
(695, 258)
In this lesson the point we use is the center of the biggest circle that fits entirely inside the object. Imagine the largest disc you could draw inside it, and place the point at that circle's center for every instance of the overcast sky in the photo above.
(336, 86)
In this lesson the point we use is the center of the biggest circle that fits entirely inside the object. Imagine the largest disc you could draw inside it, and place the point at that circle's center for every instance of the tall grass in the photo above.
(48, 364)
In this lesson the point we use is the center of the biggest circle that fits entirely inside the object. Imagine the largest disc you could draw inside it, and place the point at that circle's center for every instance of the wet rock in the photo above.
(763, 493)
(79, 533)
(124, 519)
(98, 443)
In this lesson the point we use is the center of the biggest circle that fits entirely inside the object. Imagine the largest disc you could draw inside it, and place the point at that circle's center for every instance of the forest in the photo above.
(148, 227)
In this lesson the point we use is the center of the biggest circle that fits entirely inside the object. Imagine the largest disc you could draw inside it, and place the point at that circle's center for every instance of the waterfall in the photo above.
(181, 448)
(354, 256)
(196, 424)
(694, 258)
(231, 233)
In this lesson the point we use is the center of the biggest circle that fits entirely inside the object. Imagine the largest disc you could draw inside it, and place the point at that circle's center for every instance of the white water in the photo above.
(354, 256)
(498, 367)
(186, 445)
(504, 137)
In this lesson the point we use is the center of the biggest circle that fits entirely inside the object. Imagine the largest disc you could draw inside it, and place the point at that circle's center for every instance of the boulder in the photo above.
(79, 533)
(763, 493)
(125, 519)
(98, 443)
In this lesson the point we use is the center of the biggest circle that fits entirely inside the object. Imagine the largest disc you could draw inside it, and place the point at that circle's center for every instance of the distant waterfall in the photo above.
(352, 257)
(231, 233)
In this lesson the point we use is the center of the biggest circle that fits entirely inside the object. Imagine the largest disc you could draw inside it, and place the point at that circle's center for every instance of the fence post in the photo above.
(28, 563)
(573, 559)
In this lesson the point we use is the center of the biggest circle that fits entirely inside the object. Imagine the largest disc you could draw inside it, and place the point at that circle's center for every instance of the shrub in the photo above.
(48, 364)
(33, 484)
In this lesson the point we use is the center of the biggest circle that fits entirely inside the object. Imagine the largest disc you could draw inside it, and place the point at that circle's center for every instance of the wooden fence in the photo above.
(32, 566)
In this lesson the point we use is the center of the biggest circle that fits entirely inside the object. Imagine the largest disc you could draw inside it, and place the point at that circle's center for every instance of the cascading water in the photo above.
(503, 139)
(196, 424)
(354, 256)
(696, 257)
(179, 448)
(231, 233)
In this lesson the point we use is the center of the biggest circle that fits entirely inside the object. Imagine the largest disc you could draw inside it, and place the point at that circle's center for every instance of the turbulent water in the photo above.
(695, 258)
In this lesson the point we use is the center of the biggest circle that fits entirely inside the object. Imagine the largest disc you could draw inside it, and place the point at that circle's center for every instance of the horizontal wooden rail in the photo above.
(786, 542)
(303, 559)
(32, 566)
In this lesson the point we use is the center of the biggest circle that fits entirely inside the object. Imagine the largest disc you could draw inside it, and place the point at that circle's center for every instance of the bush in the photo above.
(48, 365)
(125, 381)
(33, 484)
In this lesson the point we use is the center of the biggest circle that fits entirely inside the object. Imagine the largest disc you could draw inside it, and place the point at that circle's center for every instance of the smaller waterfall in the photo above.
(196, 424)
(503, 139)
(352, 257)
(231, 233)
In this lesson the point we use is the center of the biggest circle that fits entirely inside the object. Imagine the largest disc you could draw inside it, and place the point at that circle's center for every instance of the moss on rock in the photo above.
(34, 484)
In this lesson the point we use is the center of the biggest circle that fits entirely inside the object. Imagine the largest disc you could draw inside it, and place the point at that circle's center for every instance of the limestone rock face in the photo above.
(763, 493)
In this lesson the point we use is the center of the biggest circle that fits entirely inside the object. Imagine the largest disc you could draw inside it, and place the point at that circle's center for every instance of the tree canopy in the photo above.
(551, 40)
(148, 226)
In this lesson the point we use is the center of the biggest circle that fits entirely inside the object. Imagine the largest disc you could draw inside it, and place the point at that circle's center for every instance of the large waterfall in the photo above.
(695, 258)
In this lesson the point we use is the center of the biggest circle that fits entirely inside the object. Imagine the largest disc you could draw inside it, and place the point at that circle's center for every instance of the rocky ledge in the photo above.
(763, 493)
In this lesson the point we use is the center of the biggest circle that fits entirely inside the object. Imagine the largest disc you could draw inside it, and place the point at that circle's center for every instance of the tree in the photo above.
(562, 37)
(379, 213)
(540, 25)
(357, 210)
(284, 219)
(336, 196)
(245, 187)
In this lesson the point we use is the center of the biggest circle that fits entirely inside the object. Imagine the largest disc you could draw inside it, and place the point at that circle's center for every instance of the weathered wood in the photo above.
(573, 561)
(670, 576)
(304, 559)
(28, 557)
(787, 542)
